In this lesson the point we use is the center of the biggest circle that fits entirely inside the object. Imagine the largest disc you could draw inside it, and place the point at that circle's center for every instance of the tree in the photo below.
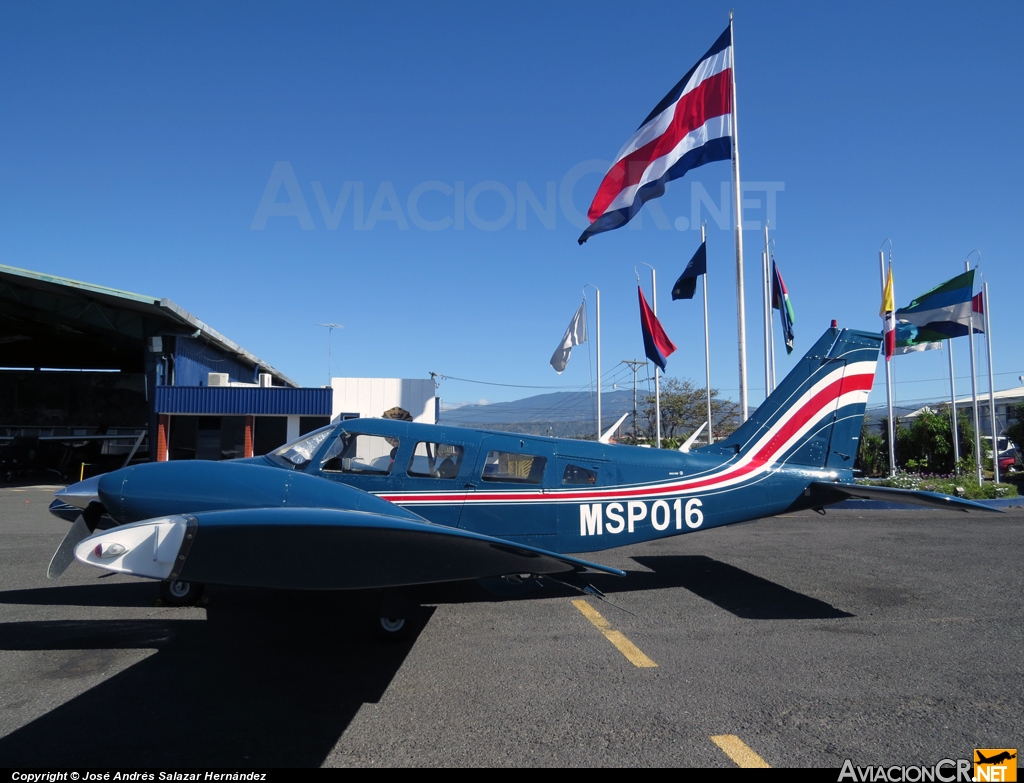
(924, 444)
(872, 454)
(684, 409)
(927, 444)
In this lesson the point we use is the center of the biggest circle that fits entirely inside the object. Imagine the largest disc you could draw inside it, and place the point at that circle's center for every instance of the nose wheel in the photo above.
(179, 593)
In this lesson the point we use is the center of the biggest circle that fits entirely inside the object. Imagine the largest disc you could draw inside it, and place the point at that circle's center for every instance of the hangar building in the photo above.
(78, 359)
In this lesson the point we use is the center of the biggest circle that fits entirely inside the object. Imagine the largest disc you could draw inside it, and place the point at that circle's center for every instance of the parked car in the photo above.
(1009, 454)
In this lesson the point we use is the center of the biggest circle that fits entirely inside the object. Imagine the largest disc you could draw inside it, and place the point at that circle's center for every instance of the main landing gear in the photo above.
(395, 617)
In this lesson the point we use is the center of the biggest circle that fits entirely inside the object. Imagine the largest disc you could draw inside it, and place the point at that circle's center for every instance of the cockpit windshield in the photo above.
(299, 452)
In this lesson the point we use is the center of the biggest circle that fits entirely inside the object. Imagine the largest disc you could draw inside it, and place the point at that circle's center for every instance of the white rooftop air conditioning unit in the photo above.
(218, 379)
(266, 379)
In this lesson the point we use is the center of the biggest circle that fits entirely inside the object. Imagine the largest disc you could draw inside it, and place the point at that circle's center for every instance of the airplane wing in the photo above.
(313, 549)
(830, 492)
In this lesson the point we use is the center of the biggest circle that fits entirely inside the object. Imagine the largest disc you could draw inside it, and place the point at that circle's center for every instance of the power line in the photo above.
(493, 383)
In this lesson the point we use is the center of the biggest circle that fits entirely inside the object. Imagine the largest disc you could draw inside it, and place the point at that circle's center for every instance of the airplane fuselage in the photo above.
(564, 495)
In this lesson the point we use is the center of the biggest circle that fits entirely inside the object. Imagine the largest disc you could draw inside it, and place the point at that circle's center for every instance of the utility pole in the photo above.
(634, 365)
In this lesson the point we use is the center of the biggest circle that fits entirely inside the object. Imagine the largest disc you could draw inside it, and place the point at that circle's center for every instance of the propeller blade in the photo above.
(65, 553)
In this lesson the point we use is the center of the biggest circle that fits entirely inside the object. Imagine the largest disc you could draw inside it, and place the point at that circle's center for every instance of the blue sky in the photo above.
(139, 139)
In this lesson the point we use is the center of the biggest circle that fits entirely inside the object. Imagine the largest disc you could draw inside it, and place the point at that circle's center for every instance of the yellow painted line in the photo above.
(737, 750)
(622, 644)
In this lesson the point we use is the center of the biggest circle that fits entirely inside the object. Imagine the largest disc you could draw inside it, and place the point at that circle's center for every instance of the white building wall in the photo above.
(370, 397)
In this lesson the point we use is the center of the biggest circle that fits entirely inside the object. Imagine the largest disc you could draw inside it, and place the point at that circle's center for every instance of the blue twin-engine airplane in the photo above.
(379, 503)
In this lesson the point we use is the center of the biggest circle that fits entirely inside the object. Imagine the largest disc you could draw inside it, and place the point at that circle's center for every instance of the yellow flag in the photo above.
(888, 302)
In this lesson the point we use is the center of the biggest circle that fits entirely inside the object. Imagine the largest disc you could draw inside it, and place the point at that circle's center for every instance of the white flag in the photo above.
(574, 335)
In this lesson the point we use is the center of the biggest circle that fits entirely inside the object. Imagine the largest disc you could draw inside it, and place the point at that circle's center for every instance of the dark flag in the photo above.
(686, 285)
(657, 346)
(780, 302)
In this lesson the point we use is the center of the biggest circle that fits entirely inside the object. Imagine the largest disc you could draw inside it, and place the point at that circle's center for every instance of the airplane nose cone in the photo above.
(81, 494)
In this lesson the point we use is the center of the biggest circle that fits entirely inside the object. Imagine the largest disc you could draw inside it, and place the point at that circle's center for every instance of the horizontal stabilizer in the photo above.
(834, 493)
(314, 549)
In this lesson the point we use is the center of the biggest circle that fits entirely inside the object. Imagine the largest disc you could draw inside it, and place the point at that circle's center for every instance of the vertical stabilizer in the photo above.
(814, 416)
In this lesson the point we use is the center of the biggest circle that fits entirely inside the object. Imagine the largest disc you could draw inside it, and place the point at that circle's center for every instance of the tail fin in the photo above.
(814, 416)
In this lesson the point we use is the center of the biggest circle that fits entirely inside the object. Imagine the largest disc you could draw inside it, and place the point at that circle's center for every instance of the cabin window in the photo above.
(516, 468)
(576, 476)
(436, 460)
(357, 453)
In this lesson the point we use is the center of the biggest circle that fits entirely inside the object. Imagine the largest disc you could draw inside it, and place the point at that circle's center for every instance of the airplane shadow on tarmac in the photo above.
(730, 588)
(267, 681)
(273, 678)
(733, 589)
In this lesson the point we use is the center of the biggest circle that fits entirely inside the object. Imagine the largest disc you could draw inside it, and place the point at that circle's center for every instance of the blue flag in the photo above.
(686, 285)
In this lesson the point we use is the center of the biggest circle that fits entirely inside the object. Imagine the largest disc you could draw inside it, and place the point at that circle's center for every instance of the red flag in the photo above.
(657, 346)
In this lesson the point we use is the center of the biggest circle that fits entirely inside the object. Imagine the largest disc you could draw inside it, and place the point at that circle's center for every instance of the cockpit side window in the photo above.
(358, 453)
(508, 467)
(436, 460)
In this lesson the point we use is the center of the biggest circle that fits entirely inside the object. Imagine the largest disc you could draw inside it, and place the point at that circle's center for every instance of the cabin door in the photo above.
(506, 494)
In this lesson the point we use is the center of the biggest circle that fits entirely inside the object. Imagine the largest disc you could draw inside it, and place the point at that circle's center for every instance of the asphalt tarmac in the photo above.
(884, 637)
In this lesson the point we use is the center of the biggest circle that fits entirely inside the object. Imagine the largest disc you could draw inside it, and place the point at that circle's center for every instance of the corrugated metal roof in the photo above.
(243, 401)
(164, 309)
(90, 287)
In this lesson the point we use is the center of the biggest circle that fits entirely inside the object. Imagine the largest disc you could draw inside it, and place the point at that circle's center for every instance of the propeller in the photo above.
(83, 527)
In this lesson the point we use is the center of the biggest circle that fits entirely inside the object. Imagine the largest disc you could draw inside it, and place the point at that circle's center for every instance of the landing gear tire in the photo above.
(181, 593)
(395, 619)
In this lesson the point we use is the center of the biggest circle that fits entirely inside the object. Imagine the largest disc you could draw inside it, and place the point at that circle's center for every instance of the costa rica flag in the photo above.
(691, 126)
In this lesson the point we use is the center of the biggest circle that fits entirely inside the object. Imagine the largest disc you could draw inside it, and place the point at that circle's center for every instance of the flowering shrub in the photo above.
(960, 486)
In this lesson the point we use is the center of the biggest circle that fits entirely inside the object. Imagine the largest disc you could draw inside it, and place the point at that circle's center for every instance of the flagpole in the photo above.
(599, 433)
(888, 371)
(657, 387)
(952, 398)
(765, 322)
(974, 381)
(769, 282)
(991, 388)
(707, 349)
(738, 210)
(771, 322)
(598, 305)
